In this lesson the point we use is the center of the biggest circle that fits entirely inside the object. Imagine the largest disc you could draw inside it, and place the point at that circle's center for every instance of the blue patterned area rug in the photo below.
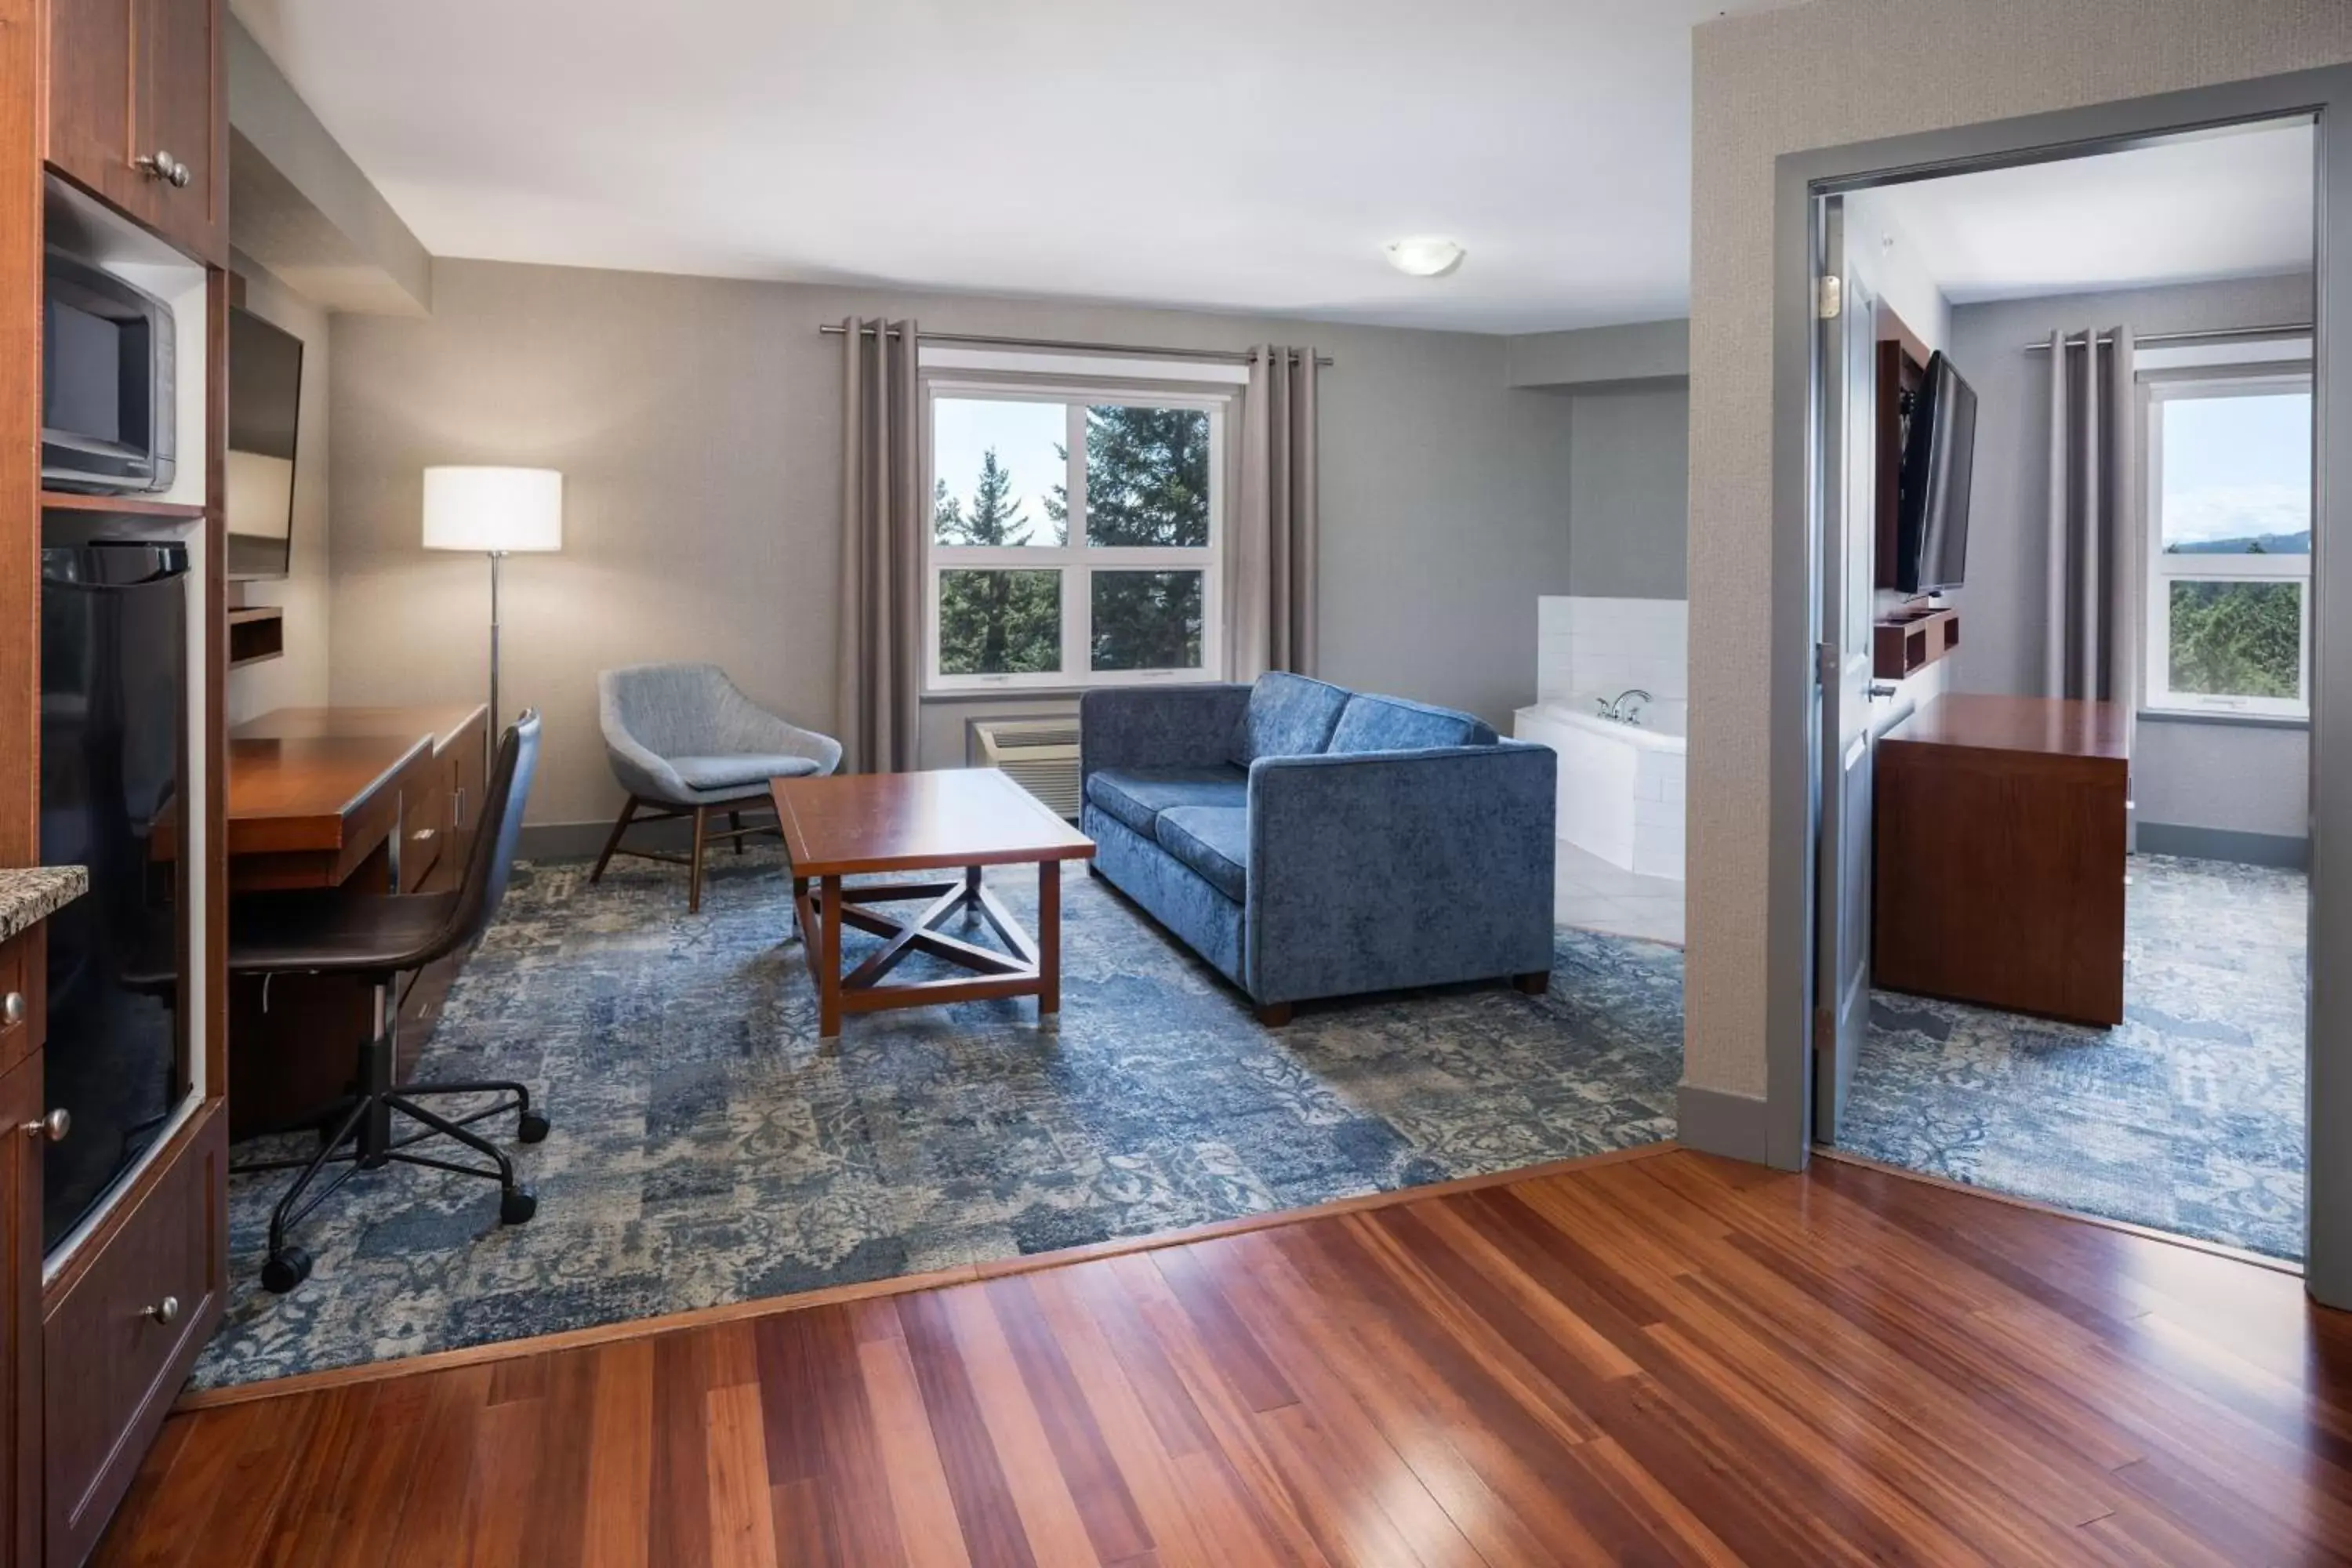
(706, 1151)
(2187, 1117)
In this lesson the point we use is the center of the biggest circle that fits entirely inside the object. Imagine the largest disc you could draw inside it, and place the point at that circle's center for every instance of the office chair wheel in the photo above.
(284, 1270)
(532, 1128)
(516, 1205)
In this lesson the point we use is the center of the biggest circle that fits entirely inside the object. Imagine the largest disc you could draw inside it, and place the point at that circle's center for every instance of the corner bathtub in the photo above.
(1621, 785)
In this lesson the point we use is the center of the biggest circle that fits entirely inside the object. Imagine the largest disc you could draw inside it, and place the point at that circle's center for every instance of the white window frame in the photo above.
(2164, 569)
(1078, 561)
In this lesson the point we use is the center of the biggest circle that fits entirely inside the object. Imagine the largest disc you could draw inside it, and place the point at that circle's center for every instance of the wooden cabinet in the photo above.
(122, 1326)
(20, 1312)
(136, 113)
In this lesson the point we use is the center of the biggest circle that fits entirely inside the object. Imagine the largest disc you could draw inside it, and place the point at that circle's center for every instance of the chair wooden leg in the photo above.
(1275, 1015)
(1534, 984)
(628, 810)
(694, 868)
(735, 830)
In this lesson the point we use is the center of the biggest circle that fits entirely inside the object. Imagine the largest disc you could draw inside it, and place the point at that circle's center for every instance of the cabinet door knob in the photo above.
(162, 165)
(422, 834)
(53, 1127)
(166, 1310)
(12, 1007)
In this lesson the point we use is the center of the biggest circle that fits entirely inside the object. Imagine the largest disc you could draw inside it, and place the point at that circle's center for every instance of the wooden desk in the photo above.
(316, 793)
(2001, 834)
(369, 800)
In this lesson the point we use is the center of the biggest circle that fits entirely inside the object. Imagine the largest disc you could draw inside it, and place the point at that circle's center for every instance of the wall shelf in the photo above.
(120, 506)
(256, 634)
(1906, 644)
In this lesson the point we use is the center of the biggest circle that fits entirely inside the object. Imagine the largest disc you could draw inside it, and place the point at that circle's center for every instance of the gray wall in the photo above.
(1629, 492)
(2232, 777)
(1766, 83)
(698, 425)
(299, 679)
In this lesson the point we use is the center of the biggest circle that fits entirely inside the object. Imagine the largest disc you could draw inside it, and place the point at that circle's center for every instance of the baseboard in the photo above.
(2224, 844)
(1717, 1121)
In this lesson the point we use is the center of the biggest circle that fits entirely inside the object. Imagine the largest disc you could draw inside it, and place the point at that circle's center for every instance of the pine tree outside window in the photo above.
(1077, 536)
(2229, 604)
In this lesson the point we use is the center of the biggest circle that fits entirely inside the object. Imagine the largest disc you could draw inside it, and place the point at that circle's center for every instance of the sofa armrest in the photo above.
(1158, 726)
(1380, 869)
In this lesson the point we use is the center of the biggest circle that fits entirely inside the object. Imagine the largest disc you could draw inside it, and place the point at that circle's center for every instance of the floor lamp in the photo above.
(495, 511)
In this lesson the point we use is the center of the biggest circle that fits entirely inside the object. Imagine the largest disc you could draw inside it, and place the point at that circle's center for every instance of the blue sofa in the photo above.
(1311, 841)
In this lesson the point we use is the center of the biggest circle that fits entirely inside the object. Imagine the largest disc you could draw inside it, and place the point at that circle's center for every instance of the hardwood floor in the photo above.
(1665, 1359)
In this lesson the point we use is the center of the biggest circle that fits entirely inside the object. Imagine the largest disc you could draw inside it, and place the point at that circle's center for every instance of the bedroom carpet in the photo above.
(2188, 1117)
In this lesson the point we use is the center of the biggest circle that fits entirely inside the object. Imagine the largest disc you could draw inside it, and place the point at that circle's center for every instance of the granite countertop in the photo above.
(33, 893)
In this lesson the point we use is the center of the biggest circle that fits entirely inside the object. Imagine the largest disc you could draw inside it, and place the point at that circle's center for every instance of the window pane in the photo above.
(1000, 622)
(2237, 475)
(1147, 477)
(2238, 640)
(1001, 472)
(1147, 620)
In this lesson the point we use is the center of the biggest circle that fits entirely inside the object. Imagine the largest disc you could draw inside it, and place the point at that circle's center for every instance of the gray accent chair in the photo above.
(684, 740)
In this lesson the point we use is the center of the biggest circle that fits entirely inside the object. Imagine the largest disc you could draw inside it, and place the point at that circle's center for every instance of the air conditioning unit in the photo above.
(1040, 754)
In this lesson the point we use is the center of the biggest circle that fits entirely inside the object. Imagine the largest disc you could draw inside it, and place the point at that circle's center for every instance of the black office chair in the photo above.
(379, 939)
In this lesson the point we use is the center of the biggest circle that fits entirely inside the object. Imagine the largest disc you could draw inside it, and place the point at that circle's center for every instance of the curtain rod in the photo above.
(2207, 335)
(981, 340)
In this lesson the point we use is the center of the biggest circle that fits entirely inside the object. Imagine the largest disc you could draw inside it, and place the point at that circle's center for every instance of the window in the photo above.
(2229, 616)
(1076, 537)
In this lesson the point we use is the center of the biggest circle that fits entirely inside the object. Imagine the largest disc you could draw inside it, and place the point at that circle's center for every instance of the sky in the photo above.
(2236, 466)
(1025, 436)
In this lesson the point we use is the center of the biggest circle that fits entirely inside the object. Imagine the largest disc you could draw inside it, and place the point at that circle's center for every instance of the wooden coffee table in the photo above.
(962, 819)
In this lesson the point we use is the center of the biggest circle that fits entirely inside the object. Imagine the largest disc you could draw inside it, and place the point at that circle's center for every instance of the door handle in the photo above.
(53, 1127)
(1882, 689)
(165, 1312)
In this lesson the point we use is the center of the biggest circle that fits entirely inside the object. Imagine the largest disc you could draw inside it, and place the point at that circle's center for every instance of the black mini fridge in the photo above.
(114, 702)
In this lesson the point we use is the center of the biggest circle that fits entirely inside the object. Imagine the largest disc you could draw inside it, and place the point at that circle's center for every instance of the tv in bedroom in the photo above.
(265, 398)
(1939, 449)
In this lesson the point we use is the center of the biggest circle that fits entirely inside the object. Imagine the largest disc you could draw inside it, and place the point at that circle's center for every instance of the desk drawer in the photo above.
(423, 821)
(111, 1363)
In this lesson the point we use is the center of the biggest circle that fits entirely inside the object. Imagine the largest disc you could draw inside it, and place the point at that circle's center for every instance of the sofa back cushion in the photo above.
(1289, 716)
(1392, 724)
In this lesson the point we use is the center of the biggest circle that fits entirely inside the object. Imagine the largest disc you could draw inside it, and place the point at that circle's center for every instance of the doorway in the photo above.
(2063, 488)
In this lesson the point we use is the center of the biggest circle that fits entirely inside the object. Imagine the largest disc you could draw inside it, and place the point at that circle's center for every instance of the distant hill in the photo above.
(2261, 544)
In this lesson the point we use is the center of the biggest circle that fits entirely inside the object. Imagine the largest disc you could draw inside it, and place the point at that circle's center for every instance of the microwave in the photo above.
(107, 395)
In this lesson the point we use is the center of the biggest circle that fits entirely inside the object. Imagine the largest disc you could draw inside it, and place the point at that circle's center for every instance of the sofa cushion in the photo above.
(741, 770)
(1212, 840)
(1138, 795)
(1289, 716)
(1371, 723)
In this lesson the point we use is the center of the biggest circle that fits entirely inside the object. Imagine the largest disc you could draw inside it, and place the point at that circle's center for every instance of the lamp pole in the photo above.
(496, 556)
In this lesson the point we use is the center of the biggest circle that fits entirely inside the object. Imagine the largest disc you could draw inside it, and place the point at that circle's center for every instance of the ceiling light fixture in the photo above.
(1423, 254)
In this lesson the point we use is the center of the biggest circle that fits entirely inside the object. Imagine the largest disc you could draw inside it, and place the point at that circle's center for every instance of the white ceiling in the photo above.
(1236, 154)
(2229, 205)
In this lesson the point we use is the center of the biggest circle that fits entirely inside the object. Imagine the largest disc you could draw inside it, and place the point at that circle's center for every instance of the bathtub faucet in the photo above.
(1625, 707)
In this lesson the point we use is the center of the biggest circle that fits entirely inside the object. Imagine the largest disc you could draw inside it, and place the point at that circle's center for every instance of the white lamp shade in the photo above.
(493, 508)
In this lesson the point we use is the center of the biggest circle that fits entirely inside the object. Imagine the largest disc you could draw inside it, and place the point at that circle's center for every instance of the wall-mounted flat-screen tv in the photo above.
(1939, 450)
(265, 403)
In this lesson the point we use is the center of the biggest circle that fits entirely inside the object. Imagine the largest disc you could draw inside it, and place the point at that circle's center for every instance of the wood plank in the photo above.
(1669, 1359)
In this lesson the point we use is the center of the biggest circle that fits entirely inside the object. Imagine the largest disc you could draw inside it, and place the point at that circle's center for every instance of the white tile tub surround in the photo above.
(1620, 788)
(1609, 646)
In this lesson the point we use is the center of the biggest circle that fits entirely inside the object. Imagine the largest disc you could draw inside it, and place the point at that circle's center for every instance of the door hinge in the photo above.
(1829, 296)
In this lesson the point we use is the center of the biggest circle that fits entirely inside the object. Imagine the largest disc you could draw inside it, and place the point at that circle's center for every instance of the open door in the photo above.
(1847, 490)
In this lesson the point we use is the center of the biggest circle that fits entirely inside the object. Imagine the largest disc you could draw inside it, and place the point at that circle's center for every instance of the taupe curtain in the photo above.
(882, 518)
(2096, 538)
(1273, 570)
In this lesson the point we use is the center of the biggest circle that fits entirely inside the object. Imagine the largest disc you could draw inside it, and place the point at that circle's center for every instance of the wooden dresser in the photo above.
(2002, 834)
